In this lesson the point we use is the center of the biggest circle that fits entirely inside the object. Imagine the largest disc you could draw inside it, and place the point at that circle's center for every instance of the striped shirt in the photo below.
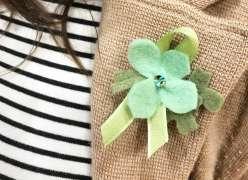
(44, 104)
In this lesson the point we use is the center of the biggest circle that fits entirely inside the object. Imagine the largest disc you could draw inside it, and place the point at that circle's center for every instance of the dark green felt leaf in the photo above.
(186, 123)
(125, 79)
(201, 78)
(200, 101)
(212, 100)
(171, 116)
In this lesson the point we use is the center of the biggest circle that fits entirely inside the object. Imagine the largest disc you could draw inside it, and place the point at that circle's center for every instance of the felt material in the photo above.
(176, 63)
(116, 123)
(185, 123)
(212, 100)
(179, 96)
(144, 56)
(171, 116)
(157, 130)
(200, 101)
(143, 99)
(188, 46)
(124, 80)
(201, 78)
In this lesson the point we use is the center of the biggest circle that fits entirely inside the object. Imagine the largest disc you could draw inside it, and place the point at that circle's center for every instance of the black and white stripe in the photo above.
(45, 103)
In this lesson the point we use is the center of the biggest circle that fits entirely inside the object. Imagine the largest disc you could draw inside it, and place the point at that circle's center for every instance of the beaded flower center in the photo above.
(160, 81)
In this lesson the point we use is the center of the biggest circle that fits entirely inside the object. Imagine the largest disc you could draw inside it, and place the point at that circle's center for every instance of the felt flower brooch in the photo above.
(162, 89)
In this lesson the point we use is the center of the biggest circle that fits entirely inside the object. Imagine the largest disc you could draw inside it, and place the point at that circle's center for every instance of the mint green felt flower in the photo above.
(163, 83)
(157, 88)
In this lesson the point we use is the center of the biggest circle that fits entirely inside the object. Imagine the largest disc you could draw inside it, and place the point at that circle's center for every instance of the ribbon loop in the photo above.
(189, 44)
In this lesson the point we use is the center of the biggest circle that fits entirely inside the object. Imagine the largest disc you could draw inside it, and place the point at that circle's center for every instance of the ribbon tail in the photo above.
(157, 131)
(116, 123)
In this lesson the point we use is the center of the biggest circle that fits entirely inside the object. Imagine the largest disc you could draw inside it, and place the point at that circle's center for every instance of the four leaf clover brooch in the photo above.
(162, 89)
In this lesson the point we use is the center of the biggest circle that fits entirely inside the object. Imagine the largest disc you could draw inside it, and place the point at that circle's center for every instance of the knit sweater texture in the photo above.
(219, 148)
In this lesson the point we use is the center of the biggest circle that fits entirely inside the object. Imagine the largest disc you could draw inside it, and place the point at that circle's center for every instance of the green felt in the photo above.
(186, 123)
(176, 63)
(145, 57)
(157, 131)
(125, 79)
(143, 99)
(212, 100)
(189, 45)
(116, 123)
(179, 96)
(200, 101)
(171, 116)
(201, 78)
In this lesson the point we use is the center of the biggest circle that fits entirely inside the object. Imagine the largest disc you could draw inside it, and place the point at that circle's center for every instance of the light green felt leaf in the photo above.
(188, 46)
(186, 123)
(176, 63)
(201, 78)
(212, 100)
(125, 79)
(116, 123)
(145, 57)
(143, 99)
(179, 96)
(157, 130)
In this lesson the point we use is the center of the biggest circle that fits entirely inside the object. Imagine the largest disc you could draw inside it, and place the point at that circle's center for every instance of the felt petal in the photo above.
(144, 56)
(212, 100)
(157, 130)
(201, 78)
(176, 63)
(179, 96)
(125, 79)
(143, 99)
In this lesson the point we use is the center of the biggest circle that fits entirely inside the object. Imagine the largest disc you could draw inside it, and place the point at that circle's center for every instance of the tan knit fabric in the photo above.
(219, 149)
(202, 4)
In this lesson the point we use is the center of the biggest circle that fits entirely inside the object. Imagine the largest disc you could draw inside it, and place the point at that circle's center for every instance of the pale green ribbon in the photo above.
(121, 118)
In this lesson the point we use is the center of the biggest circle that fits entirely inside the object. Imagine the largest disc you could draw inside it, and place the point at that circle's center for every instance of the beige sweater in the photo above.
(219, 149)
